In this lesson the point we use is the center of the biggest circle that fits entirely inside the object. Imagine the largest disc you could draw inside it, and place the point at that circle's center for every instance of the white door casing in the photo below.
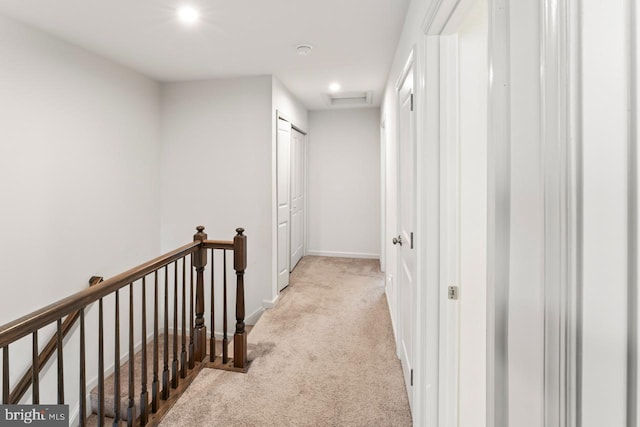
(297, 197)
(407, 279)
(284, 187)
(472, 157)
(450, 229)
(607, 377)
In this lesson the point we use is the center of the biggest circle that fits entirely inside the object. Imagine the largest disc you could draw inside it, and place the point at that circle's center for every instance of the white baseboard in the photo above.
(254, 317)
(391, 315)
(270, 303)
(343, 254)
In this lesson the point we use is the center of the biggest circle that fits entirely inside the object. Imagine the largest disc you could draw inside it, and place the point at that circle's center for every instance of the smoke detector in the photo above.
(304, 49)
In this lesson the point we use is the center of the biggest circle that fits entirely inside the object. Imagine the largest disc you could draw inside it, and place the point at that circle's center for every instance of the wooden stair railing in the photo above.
(184, 365)
(61, 332)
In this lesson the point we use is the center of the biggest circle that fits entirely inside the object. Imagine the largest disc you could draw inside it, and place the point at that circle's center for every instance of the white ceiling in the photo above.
(353, 40)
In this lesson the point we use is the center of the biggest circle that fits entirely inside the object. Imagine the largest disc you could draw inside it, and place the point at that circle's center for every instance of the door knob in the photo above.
(397, 240)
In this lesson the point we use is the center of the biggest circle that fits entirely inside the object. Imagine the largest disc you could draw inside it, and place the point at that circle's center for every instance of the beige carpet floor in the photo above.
(323, 356)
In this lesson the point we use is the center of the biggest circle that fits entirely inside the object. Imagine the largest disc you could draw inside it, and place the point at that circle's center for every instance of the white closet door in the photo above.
(283, 170)
(297, 197)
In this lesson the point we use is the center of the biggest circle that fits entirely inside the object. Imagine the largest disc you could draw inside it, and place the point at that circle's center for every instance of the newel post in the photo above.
(200, 330)
(240, 264)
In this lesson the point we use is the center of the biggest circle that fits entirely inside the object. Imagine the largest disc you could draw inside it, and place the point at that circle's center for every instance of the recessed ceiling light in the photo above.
(334, 87)
(188, 15)
(304, 49)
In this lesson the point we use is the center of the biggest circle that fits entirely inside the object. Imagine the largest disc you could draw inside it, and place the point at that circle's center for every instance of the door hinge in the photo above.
(411, 102)
(453, 292)
(412, 377)
(412, 240)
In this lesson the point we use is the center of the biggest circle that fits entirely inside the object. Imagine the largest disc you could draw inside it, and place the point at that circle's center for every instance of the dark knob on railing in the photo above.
(239, 231)
(397, 240)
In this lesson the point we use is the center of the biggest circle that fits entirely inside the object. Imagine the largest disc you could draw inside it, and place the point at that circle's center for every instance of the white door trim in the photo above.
(559, 178)
(574, 200)
(383, 199)
(633, 397)
(449, 226)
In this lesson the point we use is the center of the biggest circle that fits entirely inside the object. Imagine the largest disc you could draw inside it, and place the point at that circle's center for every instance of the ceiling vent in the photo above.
(348, 99)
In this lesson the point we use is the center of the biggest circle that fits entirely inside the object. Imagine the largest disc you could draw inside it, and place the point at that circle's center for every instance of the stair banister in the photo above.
(25, 325)
(199, 263)
(240, 265)
(74, 307)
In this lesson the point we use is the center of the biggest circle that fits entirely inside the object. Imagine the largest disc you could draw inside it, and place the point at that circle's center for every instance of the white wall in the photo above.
(216, 169)
(289, 107)
(344, 183)
(79, 166)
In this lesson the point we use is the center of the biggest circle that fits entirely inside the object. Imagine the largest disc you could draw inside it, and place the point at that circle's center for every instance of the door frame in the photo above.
(442, 19)
(560, 41)
(436, 367)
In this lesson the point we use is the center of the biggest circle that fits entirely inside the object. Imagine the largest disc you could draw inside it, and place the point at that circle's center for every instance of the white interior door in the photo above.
(284, 185)
(297, 197)
(406, 226)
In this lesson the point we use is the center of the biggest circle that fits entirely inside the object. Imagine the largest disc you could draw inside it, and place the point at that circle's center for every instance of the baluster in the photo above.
(174, 367)
(154, 384)
(191, 328)
(183, 353)
(240, 264)
(144, 396)
(165, 355)
(60, 363)
(212, 339)
(131, 409)
(116, 364)
(83, 375)
(100, 364)
(225, 355)
(35, 370)
(5, 375)
(199, 261)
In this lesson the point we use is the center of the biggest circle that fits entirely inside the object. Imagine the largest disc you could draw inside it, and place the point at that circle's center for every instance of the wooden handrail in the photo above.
(25, 325)
(218, 244)
(25, 382)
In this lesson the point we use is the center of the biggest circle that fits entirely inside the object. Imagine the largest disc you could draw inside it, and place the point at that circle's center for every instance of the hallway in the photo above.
(324, 355)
